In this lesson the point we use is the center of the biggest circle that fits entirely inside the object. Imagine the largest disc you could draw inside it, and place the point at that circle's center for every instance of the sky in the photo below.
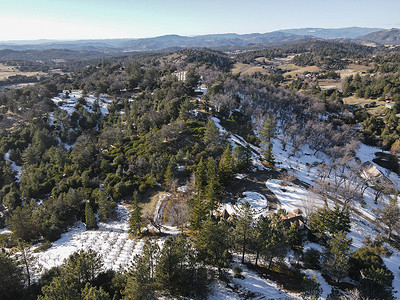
(100, 19)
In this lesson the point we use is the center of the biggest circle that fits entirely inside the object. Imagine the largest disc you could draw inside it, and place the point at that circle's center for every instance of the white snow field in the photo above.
(260, 287)
(68, 103)
(111, 241)
(257, 201)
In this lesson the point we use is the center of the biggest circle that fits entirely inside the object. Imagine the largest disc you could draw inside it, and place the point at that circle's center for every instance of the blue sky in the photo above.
(93, 19)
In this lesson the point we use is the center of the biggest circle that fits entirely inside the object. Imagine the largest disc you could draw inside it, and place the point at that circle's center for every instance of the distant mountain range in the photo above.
(333, 33)
(383, 37)
(217, 41)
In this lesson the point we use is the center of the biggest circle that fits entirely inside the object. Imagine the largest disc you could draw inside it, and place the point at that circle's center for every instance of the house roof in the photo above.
(370, 171)
(225, 215)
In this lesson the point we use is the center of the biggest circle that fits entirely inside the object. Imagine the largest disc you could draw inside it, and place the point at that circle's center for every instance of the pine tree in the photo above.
(60, 289)
(269, 155)
(168, 175)
(275, 242)
(11, 276)
(198, 213)
(213, 185)
(268, 132)
(242, 158)
(93, 293)
(326, 222)
(212, 138)
(311, 288)
(171, 268)
(201, 179)
(226, 166)
(294, 235)
(213, 244)
(106, 207)
(141, 277)
(260, 235)
(90, 219)
(244, 228)
(336, 256)
(135, 218)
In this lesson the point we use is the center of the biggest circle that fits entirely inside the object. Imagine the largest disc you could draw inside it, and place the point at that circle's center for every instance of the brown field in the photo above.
(330, 84)
(7, 71)
(353, 69)
(245, 69)
(292, 69)
(378, 110)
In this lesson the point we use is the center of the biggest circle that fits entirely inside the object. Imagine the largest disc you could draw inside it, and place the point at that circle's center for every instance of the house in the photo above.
(291, 218)
(389, 105)
(370, 172)
(227, 217)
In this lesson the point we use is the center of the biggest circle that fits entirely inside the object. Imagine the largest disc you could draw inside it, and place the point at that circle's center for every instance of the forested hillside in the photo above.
(198, 173)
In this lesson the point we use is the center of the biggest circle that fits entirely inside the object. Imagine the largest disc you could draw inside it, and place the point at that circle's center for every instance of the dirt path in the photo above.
(254, 182)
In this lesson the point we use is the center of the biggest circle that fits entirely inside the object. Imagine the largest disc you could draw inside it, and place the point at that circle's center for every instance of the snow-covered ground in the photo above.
(257, 201)
(262, 288)
(302, 164)
(5, 231)
(68, 103)
(292, 196)
(111, 241)
(13, 166)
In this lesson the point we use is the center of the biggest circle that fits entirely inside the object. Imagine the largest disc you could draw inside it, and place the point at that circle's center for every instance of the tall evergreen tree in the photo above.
(275, 239)
(135, 217)
(59, 289)
(141, 282)
(311, 288)
(82, 267)
(168, 175)
(260, 235)
(198, 213)
(201, 179)
(90, 219)
(244, 228)
(242, 158)
(269, 155)
(213, 244)
(212, 138)
(11, 277)
(93, 293)
(327, 222)
(226, 166)
(268, 132)
(336, 256)
(213, 185)
(172, 266)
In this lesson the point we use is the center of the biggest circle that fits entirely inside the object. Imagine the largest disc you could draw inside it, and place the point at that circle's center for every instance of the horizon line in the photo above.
(175, 34)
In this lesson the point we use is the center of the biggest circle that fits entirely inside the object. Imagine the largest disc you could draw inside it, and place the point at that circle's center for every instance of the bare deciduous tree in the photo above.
(390, 216)
(177, 213)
